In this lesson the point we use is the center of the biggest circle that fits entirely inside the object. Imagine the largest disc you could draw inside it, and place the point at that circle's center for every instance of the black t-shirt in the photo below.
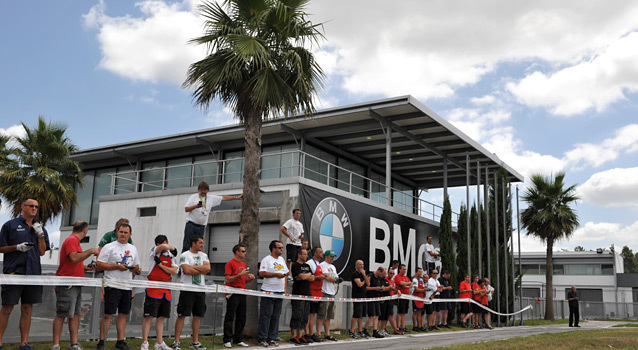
(300, 287)
(384, 283)
(572, 303)
(445, 294)
(358, 292)
(374, 282)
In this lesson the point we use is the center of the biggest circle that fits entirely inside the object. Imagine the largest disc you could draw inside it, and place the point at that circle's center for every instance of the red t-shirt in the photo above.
(484, 298)
(392, 284)
(232, 268)
(476, 297)
(67, 267)
(400, 278)
(465, 285)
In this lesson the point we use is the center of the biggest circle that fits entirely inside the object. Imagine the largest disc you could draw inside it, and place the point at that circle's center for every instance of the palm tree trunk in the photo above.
(249, 219)
(549, 277)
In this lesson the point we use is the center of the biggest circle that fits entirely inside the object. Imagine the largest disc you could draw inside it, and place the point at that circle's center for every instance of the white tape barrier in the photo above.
(215, 288)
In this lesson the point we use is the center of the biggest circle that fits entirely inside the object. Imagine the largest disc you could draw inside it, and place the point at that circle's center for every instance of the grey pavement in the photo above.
(433, 339)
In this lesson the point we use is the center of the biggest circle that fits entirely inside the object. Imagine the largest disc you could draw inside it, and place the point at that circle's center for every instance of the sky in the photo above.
(547, 86)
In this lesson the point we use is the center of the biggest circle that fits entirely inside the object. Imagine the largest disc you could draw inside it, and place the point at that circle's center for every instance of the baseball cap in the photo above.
(329, 253)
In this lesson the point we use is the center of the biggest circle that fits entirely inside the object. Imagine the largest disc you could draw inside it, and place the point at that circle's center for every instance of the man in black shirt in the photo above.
(573, 299)
(443, 307)
(359, 283)
(374, 289)
(302, 276)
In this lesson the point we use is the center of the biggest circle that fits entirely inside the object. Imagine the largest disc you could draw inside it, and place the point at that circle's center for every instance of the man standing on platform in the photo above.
(430, 255)
(197, 208)
(237, 274)
(574, 313)
(69, 298)
(18, 237)
(293, 230)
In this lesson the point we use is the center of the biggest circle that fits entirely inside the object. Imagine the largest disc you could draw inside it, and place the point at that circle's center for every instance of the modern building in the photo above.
(605, 291)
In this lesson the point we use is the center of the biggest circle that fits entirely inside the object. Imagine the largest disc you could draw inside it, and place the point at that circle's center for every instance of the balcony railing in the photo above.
(273, 165)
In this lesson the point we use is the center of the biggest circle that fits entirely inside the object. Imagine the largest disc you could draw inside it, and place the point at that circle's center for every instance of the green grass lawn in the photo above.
(627, 325)
(581, 340)
(546, 322)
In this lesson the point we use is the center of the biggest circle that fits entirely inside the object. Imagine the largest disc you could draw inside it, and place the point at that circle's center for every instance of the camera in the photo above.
(339, 280)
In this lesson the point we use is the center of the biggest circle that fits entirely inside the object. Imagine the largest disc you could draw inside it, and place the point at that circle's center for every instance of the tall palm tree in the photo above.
(38, 167)
(549, 217)
(259, 65)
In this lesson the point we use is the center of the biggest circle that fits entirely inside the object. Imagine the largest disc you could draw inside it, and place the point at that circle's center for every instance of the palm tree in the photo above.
(39, 168)
(259, 66)
(550, 218)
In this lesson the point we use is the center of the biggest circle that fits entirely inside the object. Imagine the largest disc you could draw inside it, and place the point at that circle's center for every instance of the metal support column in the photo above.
(520, 269)
(486, 192)
(444, 178)
(509, 191)
(505, 240)
(388, 166)
(498, 265)
(467, 195)
(478, 209)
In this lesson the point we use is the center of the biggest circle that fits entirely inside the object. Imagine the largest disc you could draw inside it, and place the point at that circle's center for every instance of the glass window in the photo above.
(82, 211)
(125, 181)
(317, 164)
(586, 294)
(530, 269)
(608, 269)
(559, 269)
(402, 196)
(206, 169)
(289, 160)
(531, 293)
(271, 162)
(153, 180)
(583, 269)
(543, 269)
(377, 186)
(351, 178)
(234, 169)
(100, 188)
(180, 176)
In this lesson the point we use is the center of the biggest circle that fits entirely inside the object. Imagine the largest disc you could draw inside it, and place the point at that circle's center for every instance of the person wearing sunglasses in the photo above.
(237, 274)
(274, 271)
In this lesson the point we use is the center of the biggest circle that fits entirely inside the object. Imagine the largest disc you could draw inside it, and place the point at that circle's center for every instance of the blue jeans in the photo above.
(269, 312)
(189, 230)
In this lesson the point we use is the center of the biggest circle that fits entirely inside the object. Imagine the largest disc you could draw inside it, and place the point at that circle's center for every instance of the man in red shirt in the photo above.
(315, 291)
(69, 298)
(465, 292)
(237, 274)
(485, 302)
(158, 300)
(403, 285)
(387, 307)
(476, 296)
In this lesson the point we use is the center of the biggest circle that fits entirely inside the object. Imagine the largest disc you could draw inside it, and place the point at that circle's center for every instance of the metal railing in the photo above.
(291, 164)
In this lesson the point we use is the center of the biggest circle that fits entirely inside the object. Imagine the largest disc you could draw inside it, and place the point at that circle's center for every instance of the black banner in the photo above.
(357, 231)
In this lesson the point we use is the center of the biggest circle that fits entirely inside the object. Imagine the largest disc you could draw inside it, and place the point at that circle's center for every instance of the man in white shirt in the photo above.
(194, 265)
(433, 288)
(119, 261)
(329, 290)
(293, 230)
(197, 208)
(274, 271)
(430, 254)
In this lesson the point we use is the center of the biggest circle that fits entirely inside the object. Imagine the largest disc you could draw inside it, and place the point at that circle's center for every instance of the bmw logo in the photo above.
(331, 229)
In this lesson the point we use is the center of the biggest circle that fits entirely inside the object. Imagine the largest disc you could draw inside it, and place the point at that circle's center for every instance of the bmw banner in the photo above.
(358, 231)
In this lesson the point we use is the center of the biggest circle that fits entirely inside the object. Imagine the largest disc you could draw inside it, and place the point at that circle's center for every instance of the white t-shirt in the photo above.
(415, 284)
(331, 270)
(438, 284)
(199, 216)
(295, 229)
(118, 253)
(490, 289)
(428, 257)
(151, 258)
(431, 288)
(272, 265)
(189, 258)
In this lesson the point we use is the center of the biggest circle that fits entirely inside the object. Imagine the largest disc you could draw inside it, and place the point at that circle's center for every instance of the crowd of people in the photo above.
(310, 270)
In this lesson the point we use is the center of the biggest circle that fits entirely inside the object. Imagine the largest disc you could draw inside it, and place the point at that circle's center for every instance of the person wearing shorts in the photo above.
(359, 282)
(374, 289)
(69, 298)
(476, 296)
(403, 285)
(302, 277)
(194, 265)
(465, 292)
(329, 290)
(443, 307)
(387, 306)
(119, 261)
(484, 302)
(418, 306)
(158, 300)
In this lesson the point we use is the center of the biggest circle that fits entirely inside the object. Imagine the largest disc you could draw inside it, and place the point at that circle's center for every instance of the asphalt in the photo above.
(428, 340)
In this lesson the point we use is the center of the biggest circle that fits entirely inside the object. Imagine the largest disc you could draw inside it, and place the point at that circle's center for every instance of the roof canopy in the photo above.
(421, 142)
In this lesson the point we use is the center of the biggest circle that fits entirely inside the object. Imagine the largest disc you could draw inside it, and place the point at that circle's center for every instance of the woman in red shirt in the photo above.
(465, 292)
(484, 302)
(476, 296)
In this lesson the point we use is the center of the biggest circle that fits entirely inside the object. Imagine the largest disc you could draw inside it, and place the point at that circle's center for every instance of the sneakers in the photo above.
(55, 347)
(242, 344)
(161, 346)
(306, 339)
(75, 347)
(295, 341)
(315, 338)
(353, 335)
(175, 346)
(263, 343)
(384, 333)
(197, 345)
(121, 345)
(100, 345)
(24, 347)
(228, 345)
(273, 343)
(365, 333)
(405, 330)
(144, 346)
(376, 334)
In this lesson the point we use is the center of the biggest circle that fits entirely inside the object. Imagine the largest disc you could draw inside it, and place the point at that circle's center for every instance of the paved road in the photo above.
(427, 340)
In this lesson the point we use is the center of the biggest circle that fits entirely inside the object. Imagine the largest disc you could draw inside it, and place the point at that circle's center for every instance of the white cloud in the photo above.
(485, 100)
(219, 116)
(13, 131)
(603, 234)
(152, 47)
(611, 188)
(593, 83)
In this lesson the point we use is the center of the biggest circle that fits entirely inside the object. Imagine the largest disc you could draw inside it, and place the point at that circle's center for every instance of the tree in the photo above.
(448, 257)
(257, 64)
(461, 243)
(630, 262)
(39, 167)
(579, 248)
(549, 217)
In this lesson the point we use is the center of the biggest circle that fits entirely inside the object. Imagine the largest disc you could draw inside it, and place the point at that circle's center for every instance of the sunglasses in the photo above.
(242, 251)
(279, 247)
(32, 206)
